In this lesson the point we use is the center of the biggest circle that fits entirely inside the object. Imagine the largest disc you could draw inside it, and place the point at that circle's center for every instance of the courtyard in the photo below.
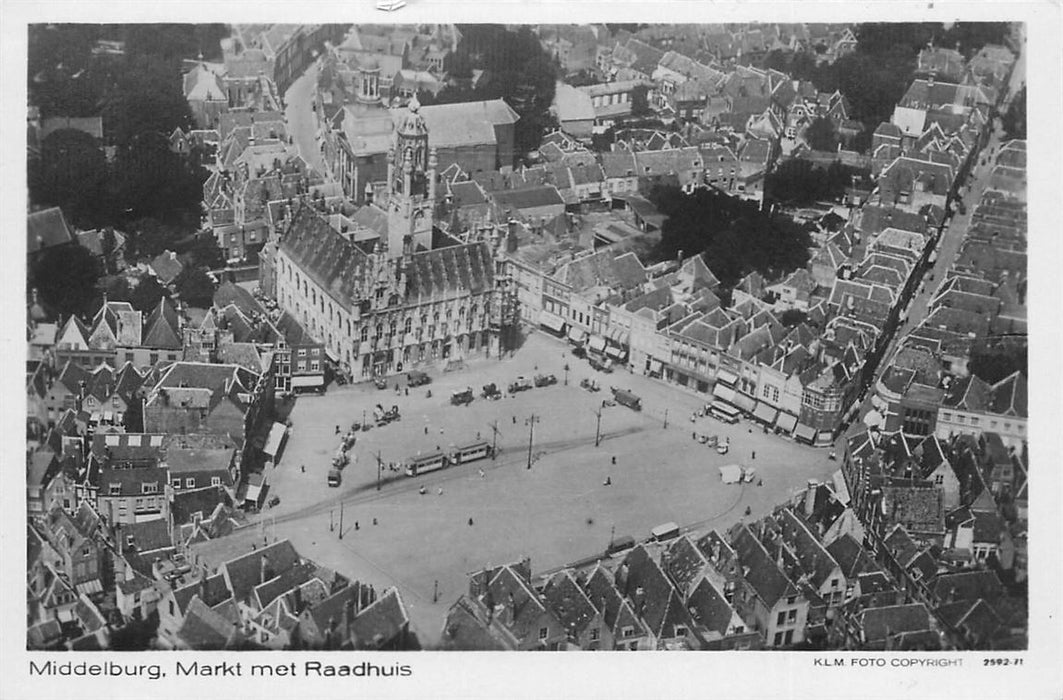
(558, 511)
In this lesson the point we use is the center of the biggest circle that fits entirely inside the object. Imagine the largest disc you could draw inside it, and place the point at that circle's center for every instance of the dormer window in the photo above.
(115, 489)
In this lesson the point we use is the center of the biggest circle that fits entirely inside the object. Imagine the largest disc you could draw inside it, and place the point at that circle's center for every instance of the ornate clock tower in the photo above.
(411, 185)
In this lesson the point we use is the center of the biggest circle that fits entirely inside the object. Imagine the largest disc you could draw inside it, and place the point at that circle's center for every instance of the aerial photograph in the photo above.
(518, 337)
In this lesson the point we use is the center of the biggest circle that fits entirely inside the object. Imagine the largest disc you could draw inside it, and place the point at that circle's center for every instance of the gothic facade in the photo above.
(410, 298)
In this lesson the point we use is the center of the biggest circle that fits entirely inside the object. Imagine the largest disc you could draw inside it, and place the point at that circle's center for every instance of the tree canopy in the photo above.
(821, 135)
(71, 173)
(734, 236)
(65, 277)
(140, 97)
(195, 287)
(800, 182)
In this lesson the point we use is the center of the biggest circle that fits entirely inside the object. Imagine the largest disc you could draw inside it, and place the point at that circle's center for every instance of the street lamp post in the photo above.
(566, 374)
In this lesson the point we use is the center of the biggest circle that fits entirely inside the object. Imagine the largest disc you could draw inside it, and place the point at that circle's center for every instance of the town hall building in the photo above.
(407, 298)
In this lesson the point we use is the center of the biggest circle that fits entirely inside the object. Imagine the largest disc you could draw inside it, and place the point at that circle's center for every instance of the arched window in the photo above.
(408, 325)
(365, 333)
(379, 329)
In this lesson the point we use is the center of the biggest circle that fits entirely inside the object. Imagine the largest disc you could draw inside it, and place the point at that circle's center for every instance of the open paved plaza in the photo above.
(556, 512)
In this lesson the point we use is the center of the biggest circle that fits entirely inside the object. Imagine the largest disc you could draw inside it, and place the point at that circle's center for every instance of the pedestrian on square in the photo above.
(407, 391)
(302, 468)
(421, 490)
(356, 525)
(426, 430)
(514, 420)
(374, 521)
(440, 431)
(754, 454)
(760, 482)
(614, 459)
(470, 522)
(440, 490)
(608, 481)
(482, 475)
(337, 430)
(749, 511)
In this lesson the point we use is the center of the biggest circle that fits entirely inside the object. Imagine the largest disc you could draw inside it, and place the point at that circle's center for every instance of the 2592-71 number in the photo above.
(1002, 662)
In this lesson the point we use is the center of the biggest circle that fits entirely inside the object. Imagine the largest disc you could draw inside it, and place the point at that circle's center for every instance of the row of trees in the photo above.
(734, 236)
(516, 69)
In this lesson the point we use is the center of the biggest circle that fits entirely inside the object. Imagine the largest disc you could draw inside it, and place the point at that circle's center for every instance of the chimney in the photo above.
(810, 497)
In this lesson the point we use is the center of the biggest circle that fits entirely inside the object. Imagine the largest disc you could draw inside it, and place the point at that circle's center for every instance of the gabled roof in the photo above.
(381, 621)
(245, 572)
(162, 329)
(569, 604)
(851, 556)
(204, 628)
(1009, 396)
(881, 623)
(652, 595)
(764, 576)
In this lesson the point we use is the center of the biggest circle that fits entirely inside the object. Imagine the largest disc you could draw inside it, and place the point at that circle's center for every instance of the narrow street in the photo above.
(952, 237)
(302, 123)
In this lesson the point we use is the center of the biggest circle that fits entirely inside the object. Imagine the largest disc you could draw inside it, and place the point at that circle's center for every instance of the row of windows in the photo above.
(190, 482)
(976, 421)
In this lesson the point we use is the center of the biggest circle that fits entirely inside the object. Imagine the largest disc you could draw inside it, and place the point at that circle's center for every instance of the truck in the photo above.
(418, 378)
(665, 531)
(545, 379)
(461, 397)
(335, 478)
(626, 398)
(521, 384)
(491, 392)
(602, 364)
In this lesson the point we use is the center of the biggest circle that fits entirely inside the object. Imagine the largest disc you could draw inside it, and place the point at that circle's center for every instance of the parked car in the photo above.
(600, 364)
(579, 351)
(589, 384)
(275, 501)
(492, 392)
(334, 477)
(712, 440)
(545, 379)
(620, 544)
(723, 446)
(461, 397)
(416, 378)
(380, 383)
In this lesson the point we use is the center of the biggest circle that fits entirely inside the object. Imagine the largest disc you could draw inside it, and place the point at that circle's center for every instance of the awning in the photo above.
(841, 489)
(276, 437)
(89, 587)
(305, 380)
(577, 335)
(552, 321)
(765, 413)
(332, 356)
(731, 474)
(746, 403)
(597, 343)
(724, 392)
(806, 433)
(616, 336)
(655, 366)
(614, 352)
(255, 485)
(786, 422)
(726, 377)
